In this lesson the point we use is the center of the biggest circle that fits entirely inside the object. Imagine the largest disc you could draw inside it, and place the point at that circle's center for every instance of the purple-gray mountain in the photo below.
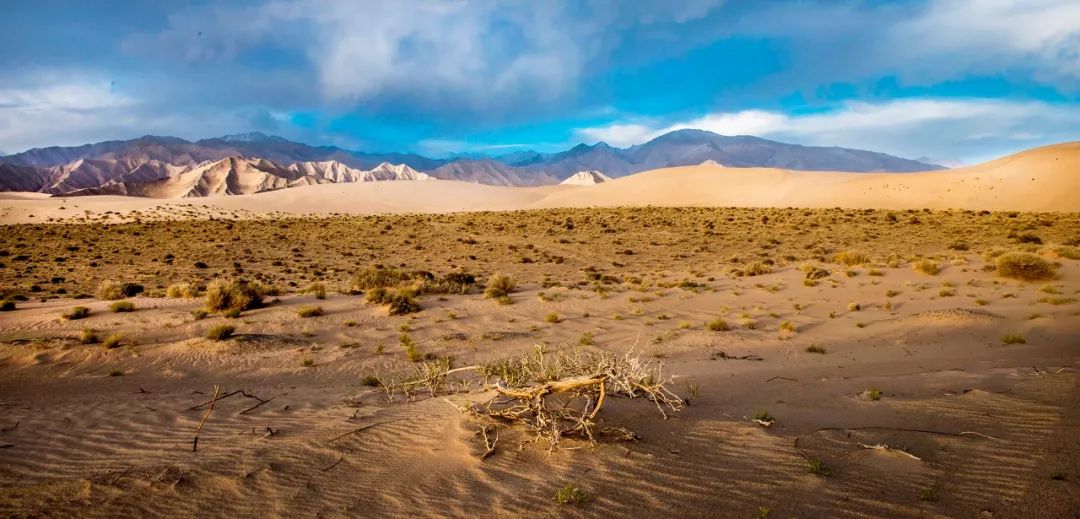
(89, 168)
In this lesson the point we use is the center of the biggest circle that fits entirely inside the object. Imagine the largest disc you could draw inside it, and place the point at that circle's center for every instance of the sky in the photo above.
(952, 80)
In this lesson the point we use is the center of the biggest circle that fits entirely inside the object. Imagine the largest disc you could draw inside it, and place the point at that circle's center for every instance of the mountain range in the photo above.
(238, 164)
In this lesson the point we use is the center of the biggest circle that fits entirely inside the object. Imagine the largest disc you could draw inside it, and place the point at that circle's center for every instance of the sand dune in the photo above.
(1042, 179)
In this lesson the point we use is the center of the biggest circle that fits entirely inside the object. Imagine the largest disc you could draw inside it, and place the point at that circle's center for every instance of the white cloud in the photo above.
(1040, 34)
(973, 129)
(52, 109)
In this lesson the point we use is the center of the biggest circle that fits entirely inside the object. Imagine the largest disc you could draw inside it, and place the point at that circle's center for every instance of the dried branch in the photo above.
(195, 442)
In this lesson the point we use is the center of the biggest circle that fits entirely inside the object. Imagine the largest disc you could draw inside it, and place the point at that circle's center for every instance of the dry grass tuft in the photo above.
(1024, 266)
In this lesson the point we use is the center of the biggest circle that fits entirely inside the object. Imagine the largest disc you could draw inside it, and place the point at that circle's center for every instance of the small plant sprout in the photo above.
(692, 391)
(873, 393)
(818, 467)
(570, 495)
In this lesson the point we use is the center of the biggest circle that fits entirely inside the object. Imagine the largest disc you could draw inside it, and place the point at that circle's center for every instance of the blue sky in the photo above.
(948, 79)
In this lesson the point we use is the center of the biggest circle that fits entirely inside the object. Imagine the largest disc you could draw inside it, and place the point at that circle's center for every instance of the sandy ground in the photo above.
(1042, 179)
(978, 428)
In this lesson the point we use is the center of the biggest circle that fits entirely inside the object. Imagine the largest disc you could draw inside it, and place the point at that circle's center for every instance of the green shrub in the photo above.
(122, 306)
(570, 494)
(220, 332)
(1024, 266)
(79, 312)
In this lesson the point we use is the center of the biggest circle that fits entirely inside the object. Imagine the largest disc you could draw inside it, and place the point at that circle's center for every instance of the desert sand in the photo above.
(830, 362)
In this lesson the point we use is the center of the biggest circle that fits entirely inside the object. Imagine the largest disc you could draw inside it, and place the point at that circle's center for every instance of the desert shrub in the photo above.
(814, 272)
(851, 258)
(113, 341)
(717, 325)
(756, 268)
(7, 306)
(318, 290)
(79, 312)
(959, 245)
(122, 306)
(854, 307)
(499, 286)
(452, 283)
(814, 348)
(928, 267)
(238, 294)
(377, 277)
(1029, 238)
(1067, 252)
(1013, 338)
(552, 318)
(412, 354)
(1024, 266)
(182, 290)
(89, 336)
(199, 313)
(309, 311)
(220, 332)
(111, 290)
(400, 302)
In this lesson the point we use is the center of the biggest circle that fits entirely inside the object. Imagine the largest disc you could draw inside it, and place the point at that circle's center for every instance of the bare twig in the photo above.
(782, 378)
(121, 476)
(195, 442)
(358, 429)
(886, 448)
(334, 464)
(215, 399)
(489, 443)
(256, 406)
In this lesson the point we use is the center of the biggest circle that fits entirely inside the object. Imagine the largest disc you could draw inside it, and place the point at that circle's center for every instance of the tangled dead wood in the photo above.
(552, 395)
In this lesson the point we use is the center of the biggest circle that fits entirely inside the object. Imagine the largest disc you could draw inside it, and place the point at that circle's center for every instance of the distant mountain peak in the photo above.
(250, 137)
(586, 178)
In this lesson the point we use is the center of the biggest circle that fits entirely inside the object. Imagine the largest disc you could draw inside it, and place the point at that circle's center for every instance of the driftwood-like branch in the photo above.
(195, 442)
(886, 448)
(489, 443)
